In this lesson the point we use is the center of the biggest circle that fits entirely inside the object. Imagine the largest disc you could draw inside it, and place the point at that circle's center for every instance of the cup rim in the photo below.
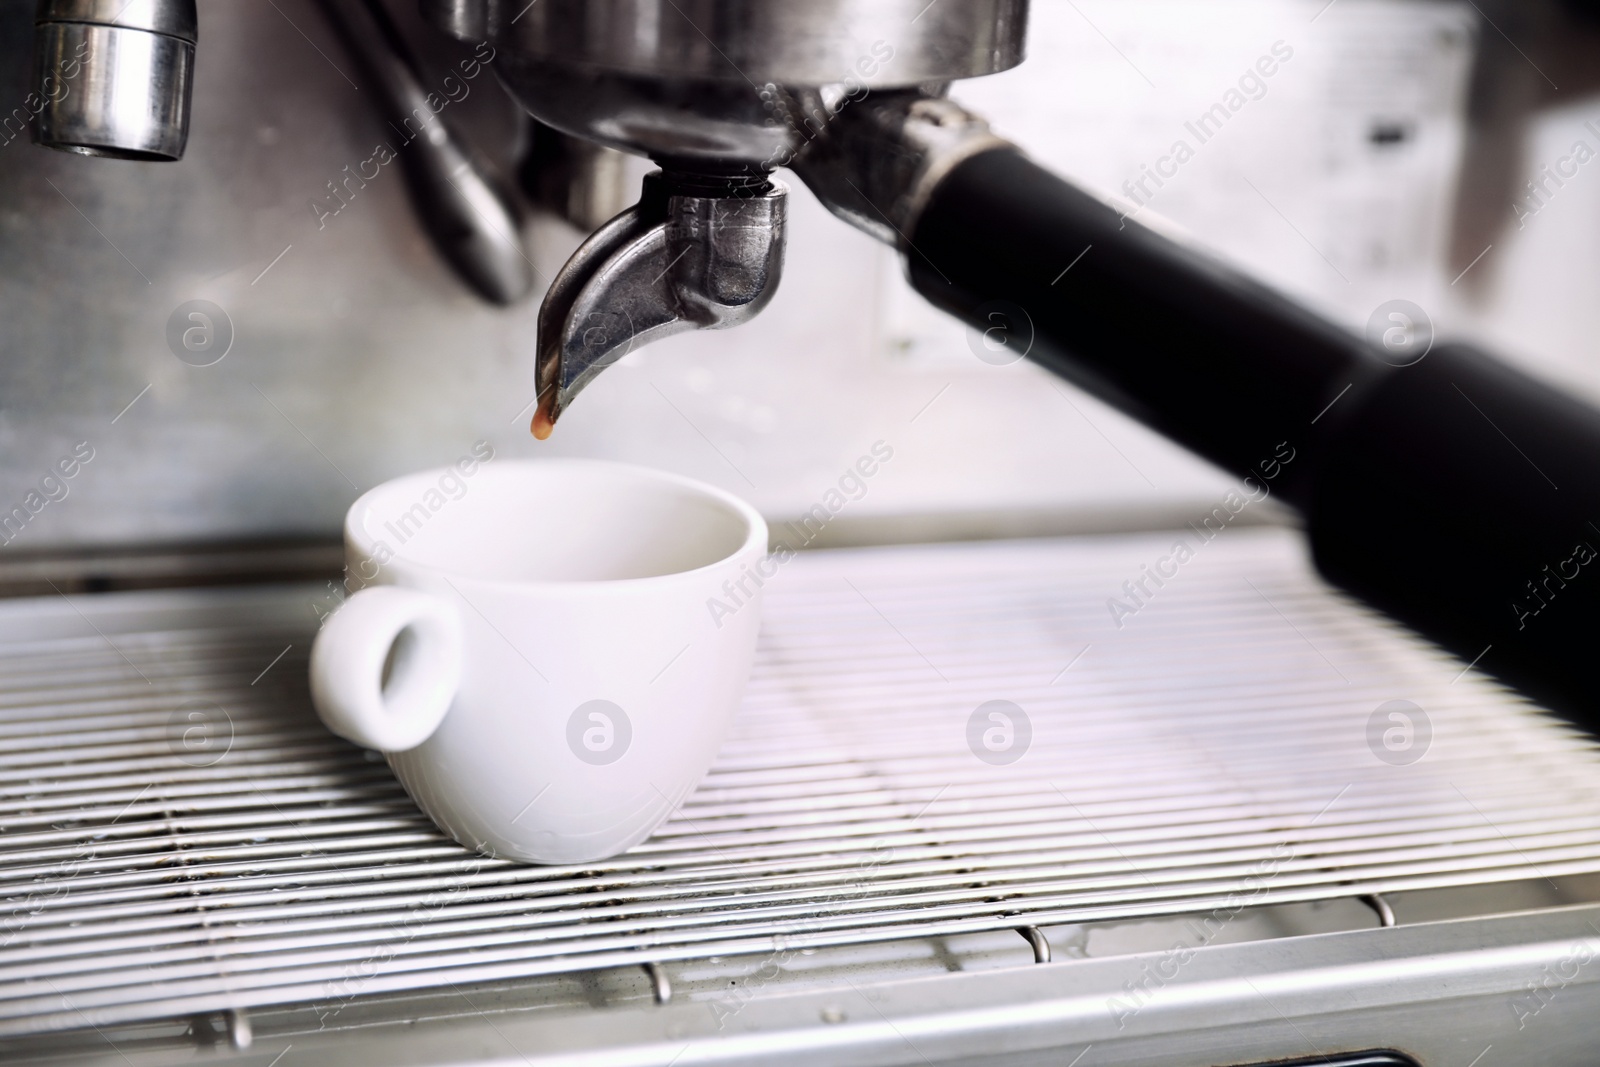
(755, 536)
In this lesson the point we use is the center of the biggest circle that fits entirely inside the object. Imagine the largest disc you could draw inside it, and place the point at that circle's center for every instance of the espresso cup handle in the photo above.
(422, 634)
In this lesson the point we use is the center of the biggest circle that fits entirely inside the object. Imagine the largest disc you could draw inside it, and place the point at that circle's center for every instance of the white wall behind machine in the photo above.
(357, 356)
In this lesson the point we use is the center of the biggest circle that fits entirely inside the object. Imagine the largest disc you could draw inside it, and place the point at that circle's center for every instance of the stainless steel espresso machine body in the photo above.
(1248, 820)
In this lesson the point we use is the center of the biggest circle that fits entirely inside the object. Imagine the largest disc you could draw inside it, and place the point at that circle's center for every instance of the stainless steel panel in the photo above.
(750, 43)
(174, 19)
(1443, 993)
(178, 835)
(357, 355)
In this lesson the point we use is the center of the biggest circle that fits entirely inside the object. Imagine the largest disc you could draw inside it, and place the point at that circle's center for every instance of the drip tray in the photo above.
(936, 740)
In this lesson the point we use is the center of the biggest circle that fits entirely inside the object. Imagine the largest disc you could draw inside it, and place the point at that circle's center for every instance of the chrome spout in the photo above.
(696, 253)
(114, 77)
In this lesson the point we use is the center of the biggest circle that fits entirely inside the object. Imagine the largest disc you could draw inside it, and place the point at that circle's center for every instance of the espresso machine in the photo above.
(1222, 876)
(720, 97)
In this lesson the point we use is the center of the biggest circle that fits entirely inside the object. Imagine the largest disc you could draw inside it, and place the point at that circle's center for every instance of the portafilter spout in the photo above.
(114, 77)
(719, 93)
(698, 251)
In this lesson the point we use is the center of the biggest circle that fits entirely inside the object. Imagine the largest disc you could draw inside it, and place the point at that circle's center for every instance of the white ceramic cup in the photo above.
(544, 650)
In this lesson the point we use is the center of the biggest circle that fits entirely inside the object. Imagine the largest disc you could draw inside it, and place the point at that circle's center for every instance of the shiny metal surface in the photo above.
(703, 80)
(674, 262)
(585, 183)
(710, 121)
(178, 835)
(475, 226)
(115, 79)
(747, 43)
(174, 18)
(169, 567)
(876, 163)
(1440, 991)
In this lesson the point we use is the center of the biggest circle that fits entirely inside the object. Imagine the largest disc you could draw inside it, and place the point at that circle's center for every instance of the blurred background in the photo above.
(1389, 156)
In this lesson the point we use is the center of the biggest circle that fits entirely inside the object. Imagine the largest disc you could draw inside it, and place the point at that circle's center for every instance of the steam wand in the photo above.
(473, 224)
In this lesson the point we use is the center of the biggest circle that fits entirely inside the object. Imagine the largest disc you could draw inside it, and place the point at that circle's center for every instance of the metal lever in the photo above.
(695, 253)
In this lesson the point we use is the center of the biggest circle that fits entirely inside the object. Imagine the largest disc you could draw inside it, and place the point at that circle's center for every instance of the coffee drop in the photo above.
(543, 424)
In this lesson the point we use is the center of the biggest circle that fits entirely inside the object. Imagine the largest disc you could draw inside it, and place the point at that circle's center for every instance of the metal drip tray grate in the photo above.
(179, 835)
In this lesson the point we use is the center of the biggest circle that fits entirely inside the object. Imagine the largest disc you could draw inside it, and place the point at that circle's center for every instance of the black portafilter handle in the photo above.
(1457, 494)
